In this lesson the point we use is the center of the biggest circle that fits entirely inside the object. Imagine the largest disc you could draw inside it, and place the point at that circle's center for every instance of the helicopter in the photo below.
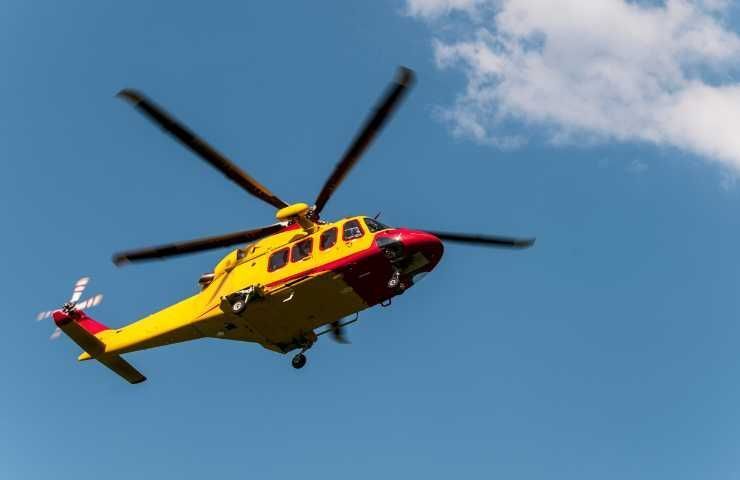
(287, 283)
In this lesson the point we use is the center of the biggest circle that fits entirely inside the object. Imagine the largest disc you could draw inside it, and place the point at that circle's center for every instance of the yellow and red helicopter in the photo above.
(287, 283)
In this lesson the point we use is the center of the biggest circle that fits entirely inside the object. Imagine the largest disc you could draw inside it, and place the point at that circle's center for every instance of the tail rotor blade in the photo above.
(90, 302)
(79, 288)
(56, 334)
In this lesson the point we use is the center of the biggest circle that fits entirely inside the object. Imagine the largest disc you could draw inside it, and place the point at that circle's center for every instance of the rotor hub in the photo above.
(292, 211)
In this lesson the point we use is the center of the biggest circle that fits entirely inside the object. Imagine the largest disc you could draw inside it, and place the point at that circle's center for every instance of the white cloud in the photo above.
(607, 69)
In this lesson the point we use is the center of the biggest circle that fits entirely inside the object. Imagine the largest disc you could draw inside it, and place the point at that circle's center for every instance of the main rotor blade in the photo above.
(372, 126)
(193, 246)
(484, 240)
(168, 123)
(338, 333)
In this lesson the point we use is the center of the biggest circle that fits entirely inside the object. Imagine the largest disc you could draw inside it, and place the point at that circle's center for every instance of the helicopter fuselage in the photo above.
(296, 281)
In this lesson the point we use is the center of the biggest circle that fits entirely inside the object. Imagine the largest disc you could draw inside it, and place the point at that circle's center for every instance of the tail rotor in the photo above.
(73, 304)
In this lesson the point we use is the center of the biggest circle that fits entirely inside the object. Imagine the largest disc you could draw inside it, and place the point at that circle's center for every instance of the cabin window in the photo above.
(301, 250)
(277, 260)
(374, 225)
(328, 239)
(352, 229)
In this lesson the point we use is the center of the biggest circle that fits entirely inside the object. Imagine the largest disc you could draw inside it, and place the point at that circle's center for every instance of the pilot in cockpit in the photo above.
(352, 230)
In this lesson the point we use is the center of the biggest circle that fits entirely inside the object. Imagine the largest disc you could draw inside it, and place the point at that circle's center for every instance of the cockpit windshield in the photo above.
(374, 225)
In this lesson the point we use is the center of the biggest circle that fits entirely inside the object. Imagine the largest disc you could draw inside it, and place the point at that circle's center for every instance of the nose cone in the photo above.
(426, 244)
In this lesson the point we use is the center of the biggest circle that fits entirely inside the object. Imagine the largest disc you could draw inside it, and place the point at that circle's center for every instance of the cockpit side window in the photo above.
(328, 239)
(352, 229)
(277, 260)
(301, 250)
(374, 225)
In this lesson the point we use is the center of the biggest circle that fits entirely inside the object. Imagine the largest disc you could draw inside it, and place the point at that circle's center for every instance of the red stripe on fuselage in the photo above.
(367, 272)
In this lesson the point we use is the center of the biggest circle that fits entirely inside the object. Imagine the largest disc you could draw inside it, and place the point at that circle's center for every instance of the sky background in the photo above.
(609, 350)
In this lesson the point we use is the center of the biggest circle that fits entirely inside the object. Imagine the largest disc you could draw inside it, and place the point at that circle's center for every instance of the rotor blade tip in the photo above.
(120, 260)
(527, 242)
(130, 95)
(405, 76)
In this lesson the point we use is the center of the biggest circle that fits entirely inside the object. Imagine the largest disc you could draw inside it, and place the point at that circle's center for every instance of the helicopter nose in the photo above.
(408, 243)
(426, 244)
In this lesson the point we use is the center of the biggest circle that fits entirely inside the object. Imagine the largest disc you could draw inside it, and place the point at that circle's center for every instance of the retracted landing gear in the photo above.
(236, 303)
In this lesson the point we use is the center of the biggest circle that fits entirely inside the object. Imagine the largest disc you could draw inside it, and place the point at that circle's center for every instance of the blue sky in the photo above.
(607, 351)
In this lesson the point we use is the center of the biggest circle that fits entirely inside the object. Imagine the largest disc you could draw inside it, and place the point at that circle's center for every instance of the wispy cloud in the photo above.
(728, 182)
(435, 8)
(637, 167)
(608, 69)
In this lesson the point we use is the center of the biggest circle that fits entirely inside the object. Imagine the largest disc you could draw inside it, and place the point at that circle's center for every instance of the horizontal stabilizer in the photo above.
(82, 330)
(122, 367)
(81, 336)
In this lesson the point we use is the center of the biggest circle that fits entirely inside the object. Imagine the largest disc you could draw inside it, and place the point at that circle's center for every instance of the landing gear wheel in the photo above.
(238, 305)
(299, 361)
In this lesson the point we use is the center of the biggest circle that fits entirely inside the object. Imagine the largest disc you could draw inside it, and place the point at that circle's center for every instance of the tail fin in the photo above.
(83, 329)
